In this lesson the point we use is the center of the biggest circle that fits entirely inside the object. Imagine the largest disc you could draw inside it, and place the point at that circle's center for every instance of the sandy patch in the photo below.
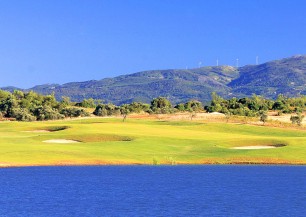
(61, 141)
(284, 118)
(4, 165)
(255, 147)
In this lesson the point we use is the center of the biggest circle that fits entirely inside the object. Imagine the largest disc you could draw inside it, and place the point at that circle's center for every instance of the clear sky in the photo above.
(58, 41)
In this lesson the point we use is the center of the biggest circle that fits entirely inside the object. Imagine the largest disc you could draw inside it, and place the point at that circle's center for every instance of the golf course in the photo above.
(110, 141)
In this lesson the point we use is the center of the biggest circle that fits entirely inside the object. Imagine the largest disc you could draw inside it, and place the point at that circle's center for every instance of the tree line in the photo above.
(31, 106)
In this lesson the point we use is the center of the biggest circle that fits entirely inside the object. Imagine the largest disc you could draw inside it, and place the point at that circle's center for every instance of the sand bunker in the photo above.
(61, 141)
(255, 147)
(48, 129)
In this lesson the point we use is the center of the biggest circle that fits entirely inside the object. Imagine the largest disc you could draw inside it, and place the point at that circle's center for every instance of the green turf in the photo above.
(111, 141)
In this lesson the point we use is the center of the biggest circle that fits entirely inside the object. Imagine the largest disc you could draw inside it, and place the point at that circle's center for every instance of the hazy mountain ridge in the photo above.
(286, 76)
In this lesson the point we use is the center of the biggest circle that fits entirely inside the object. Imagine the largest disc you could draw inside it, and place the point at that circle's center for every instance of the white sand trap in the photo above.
(61, 141)
(255, 147)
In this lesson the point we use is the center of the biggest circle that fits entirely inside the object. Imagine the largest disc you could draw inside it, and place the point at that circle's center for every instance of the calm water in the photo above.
(153, 191)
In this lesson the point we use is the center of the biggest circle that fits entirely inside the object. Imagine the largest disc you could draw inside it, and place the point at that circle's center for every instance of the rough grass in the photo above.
(143, 141)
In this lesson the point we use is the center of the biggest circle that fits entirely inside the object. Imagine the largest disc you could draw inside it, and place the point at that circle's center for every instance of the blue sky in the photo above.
(60, 41)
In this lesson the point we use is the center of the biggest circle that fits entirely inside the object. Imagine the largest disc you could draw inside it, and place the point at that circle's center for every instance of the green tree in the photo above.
(138, 107)
(180, 107)
(65, 101)
(106, 110)
(47, 113)
(125, 109)
(22, 114)
(88, 103)
(193, 105)
(161, 105)
(297, 119)
(263, 117)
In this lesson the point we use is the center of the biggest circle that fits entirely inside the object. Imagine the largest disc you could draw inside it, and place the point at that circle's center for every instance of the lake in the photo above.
(153, 191)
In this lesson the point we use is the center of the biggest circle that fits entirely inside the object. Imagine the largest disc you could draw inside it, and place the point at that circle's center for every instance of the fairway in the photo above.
(104, 141)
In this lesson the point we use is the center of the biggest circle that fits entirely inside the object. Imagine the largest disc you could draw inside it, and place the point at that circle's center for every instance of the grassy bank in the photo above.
(141, 141)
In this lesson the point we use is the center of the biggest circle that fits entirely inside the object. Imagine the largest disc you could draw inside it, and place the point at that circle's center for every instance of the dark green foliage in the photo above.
(125, 109)
(190, 106)
(161, 105)
(137, 107)
(47, 113)
(74, 112)
(22, 114)
(180, 107)
(258, 106)
(297, 119)
(106, 110)
(7, 105)
(193, 106)
(88, 103)
(32, 106)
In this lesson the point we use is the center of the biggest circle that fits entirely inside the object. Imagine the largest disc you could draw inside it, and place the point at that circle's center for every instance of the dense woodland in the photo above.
(31, 106)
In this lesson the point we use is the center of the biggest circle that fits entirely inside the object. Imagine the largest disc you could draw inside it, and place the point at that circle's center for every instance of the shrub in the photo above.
(106, 110)
(22, 114)
(74, 112)
(47, 113)
(263, 117)
(297, 119)
(161, 105)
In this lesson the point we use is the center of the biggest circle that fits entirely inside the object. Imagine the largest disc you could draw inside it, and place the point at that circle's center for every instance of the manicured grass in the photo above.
(139, 141)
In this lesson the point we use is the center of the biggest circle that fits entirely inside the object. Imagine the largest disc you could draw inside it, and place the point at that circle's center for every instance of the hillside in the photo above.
(177, 85)
(286, 76)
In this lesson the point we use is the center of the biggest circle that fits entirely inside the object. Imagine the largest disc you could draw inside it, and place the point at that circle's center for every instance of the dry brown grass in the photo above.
(273, 120)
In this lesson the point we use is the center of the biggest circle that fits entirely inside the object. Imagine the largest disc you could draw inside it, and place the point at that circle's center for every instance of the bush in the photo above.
(297, 119)
(47, 113)
(106, 110)
(22, 114)
(263, 117)
(74, 112)
(87, 103)
(161, 105)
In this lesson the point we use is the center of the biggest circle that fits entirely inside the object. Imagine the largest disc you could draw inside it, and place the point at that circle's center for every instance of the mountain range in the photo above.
(285, 76)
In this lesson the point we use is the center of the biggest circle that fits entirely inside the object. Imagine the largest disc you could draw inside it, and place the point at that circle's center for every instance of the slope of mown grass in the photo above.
(111, 141)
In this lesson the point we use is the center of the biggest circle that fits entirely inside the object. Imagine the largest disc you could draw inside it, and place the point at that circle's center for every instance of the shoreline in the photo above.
(2, 166)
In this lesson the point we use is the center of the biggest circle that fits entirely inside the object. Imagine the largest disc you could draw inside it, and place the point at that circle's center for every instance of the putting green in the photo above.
(140, 141)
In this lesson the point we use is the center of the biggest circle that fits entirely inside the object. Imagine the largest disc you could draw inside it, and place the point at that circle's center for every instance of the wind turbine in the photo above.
(217, 62)
(256, 60)
(237, 62)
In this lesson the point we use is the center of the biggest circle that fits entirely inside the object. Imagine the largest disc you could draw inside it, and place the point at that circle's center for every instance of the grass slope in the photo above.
(111, 141)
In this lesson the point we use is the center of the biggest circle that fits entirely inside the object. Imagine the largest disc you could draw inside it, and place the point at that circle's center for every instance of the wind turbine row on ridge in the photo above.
(237, 62)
